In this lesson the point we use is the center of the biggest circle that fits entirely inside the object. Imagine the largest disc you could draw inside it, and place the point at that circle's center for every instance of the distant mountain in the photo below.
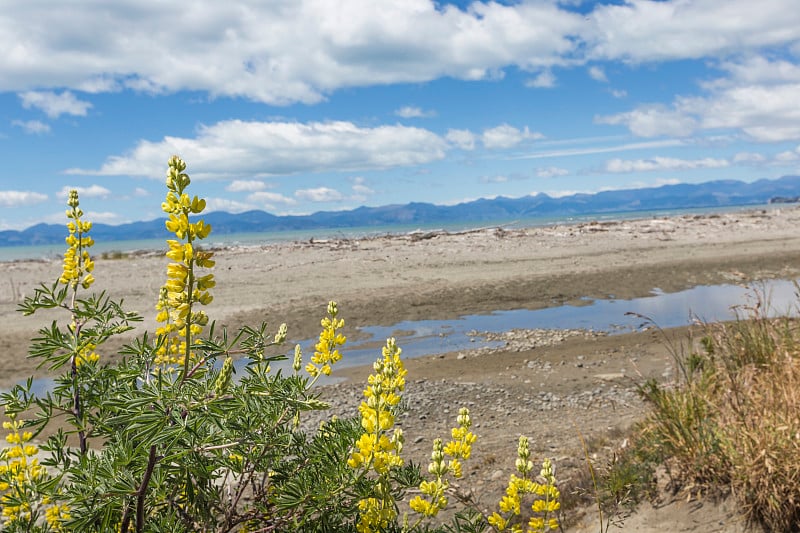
(723, 193)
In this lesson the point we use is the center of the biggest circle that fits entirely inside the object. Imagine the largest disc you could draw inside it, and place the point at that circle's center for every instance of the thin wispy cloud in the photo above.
(35, 127)
(602, 149)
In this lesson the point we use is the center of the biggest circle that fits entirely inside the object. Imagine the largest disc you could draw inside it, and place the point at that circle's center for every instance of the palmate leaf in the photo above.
(53, 346)
(44, 297)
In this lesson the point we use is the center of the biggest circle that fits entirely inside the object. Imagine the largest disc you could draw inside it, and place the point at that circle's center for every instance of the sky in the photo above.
(298, 106)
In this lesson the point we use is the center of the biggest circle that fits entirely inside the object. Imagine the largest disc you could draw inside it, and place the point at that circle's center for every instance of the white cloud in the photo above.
(662, 163)
(246, 186)
(506, 136)
(229, 206)
(463, 139)
(105, 217)
(545, 80)
(93, 191)
(276, 52)
(765, 113)
(140, 192)
(653, 121)
(319, 194)
(360, 189)
(32, 126)
(414, 112)
(287, 51)
(641, 30)
(758, 98)
(22, 198)
(54, 105)
(494, 179)
(598, 74)
(270, 199)
(788, 156)
(235, 148)
(663, 143)
(551, 172)
(619, 93)
(749, 157)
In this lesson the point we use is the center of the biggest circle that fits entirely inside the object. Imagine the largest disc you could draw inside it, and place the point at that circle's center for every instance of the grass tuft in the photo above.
(731, 422)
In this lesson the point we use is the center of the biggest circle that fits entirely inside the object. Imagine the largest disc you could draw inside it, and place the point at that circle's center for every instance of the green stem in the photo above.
(77, 408)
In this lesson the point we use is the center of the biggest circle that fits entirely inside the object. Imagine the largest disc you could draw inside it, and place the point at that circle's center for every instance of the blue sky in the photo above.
(297, 106)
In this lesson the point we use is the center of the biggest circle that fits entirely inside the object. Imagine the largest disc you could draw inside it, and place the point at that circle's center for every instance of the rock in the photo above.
(610, 376)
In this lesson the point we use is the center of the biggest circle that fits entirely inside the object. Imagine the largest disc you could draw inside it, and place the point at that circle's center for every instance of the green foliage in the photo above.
(160, 436)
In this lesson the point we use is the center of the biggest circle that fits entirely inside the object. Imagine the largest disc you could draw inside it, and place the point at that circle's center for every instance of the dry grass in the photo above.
(732, 422)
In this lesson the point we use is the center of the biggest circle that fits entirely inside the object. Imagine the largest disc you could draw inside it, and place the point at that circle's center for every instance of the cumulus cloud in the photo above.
(54, 105)
(463, 139)
(506, 136)
(288, 51)
(236, 148)
(21, 198)
(276, 52)
(545, 80)
(319, 194)
(598, 74)
(246, 186)
(229, 206)
(662, 163)
(105, 217)
(551, 172)
(93, 191)
(653, 121)
(270, 199)
(414, 112)
(36, 127)
(640, 31)
(749, 158)
(788, 156)
(757, 97)
(360, 189)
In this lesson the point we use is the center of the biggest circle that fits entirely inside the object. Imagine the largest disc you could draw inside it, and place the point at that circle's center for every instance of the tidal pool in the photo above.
(667, 310)
(709, 303)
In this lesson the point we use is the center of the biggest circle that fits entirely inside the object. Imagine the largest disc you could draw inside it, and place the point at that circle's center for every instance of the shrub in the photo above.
(166, 439)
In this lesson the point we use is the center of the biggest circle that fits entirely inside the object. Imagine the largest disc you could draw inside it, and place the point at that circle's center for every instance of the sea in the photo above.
(55, 251)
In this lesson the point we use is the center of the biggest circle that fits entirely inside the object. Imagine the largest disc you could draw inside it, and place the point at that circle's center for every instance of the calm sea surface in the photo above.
(52, 251)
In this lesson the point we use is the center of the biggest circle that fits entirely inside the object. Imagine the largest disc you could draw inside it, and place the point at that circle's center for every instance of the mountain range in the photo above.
(722, 193)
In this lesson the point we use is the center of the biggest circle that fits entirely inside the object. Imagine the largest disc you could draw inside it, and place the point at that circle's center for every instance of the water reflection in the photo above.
(427, 337)
(707, 303)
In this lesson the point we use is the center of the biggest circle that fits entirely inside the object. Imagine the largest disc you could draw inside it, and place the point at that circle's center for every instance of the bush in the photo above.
(166, 439)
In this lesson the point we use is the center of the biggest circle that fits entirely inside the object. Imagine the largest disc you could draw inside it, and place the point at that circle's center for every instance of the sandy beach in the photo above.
(551, 386)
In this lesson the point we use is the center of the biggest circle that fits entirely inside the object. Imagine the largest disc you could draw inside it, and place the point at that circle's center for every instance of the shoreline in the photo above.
(53, 251)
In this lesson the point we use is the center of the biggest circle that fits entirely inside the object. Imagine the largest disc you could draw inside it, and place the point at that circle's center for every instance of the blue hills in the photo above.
(723, 193)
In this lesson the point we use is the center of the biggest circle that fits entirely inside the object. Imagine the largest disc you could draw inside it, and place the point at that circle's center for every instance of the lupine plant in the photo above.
(544, 493)
(160, 436)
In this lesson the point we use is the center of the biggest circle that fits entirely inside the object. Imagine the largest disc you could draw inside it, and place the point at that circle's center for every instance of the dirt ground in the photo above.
(557, 392)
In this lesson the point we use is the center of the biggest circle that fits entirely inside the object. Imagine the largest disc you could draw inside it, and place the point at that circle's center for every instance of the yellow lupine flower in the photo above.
(77, 266)
(183, 287)
(326, 351)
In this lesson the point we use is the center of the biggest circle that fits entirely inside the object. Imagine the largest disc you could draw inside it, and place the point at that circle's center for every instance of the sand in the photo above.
(553, 391)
